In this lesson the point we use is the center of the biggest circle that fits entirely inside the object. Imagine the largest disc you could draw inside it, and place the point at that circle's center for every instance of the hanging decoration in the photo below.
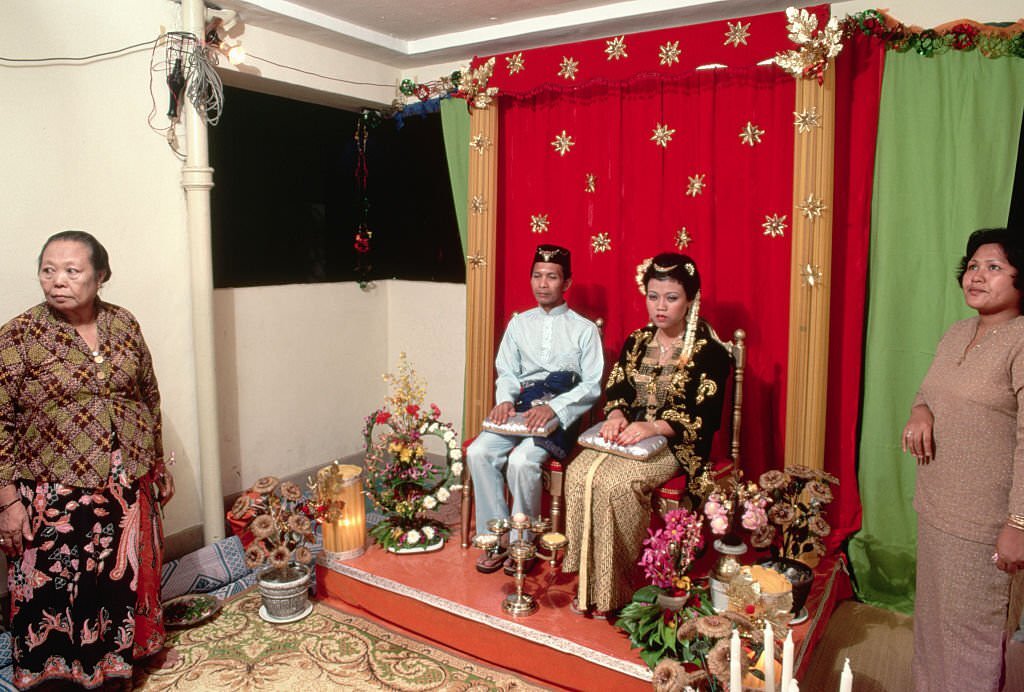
(682, 238)
(514, 63)
(539, 223)
(774, 225)
(990, 41)
(563, 143)
(601, 243)
(807, 119)
(568, 68)
(363, 234)
(662, 135)
(751, 134)
(668, 53)
(591, 183)
(737, 34)
(441, 87)
(816, 47)
(696, 184)
(616, 48)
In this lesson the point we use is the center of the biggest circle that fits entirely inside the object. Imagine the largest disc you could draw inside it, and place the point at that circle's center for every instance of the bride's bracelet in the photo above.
(1016, 521)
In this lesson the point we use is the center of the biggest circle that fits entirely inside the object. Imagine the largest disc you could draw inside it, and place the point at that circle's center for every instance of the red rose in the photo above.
(750, 610)
(382, 417)
(412, 410)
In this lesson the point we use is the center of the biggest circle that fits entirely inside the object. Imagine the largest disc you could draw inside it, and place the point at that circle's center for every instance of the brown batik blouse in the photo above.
(64, 408)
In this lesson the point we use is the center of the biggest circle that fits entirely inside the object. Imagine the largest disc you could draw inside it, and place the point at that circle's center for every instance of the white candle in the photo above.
(769, 658)
(787, 662)
(794, 686)
(846, 679)
(735, 683)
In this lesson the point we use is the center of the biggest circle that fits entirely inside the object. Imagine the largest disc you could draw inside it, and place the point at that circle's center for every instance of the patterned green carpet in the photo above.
(328, 650)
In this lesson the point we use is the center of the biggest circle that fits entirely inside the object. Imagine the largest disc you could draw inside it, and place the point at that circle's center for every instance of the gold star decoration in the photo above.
(479, 204)
(539, 223)
(807, 119)
(669, 53)
(682, 238)
(751, 134)
(616, 48)
(568, 68)
(812, 207)
(601, 242)
(514, 63)
(591, 184)
(696, 185)
(811, 274)
(774, 225)
(662, 135)
(477, 260)
(738, 33)
(480, 142)
(563, 143)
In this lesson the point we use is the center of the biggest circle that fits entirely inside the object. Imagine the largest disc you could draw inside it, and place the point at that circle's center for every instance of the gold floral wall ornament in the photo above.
(477, 261)
(616, 48)
(696, 184)
(774, 225)
(563, 143)
(479, 204)
(474, 87)
(682, 238)
(811, 274)
(591, 183)
(816, 48)
(539, 223)
(812, 208)
(568, 68)
(807, 119)
(751, 134)
(737, 34)
(662, 135)
(669, 53)
(481, 143)
(514, 63)
(601, 242)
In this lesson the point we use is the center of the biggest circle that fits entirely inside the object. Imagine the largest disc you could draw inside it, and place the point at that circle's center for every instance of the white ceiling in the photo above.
(413, 33)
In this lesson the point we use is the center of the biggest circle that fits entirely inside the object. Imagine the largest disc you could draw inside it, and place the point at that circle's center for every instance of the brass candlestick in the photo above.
(521, 549)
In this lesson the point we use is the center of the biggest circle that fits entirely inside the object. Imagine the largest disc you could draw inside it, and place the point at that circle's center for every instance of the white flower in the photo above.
(412, 537)
(429, 532)
(449, 435)
(429, 502)
(455, 455)
(443, 494)
(457, 467)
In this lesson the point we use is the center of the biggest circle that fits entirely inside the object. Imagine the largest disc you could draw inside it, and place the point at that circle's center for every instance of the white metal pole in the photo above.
(197, 179)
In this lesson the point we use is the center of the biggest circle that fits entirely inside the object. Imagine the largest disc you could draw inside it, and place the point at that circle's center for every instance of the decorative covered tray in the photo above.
(190, 610)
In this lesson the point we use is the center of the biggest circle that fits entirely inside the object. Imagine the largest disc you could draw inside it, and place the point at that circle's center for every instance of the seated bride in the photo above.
(665, 397)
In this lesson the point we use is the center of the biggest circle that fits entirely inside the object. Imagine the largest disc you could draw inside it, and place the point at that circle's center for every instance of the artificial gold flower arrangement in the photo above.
(402, 480)
(796, 520)
(278, 524)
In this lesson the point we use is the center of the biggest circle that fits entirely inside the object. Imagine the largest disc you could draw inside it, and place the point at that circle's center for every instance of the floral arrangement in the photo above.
(723, 504)
(990, 41)
(797, 524)
(669, 551)
(402, 481)
(279, 520)
(688, 646)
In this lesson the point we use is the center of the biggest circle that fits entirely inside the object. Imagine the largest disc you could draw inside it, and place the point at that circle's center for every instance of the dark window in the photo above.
(286, 202)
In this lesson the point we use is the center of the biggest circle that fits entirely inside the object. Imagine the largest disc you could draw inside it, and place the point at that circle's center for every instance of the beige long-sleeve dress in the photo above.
(962, 499)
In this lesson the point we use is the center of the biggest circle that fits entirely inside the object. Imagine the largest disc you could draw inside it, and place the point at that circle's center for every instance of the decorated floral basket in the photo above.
(403, 480)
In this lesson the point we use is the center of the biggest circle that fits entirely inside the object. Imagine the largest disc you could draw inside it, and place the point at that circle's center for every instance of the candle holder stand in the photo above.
(544, 545)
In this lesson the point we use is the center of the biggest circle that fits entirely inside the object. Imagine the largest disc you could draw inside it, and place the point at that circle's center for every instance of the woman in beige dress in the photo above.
(966, 430)
(669, 380)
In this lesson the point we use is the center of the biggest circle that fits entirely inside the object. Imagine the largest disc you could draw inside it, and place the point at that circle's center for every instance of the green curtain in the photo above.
(946, 153)
(455, 125)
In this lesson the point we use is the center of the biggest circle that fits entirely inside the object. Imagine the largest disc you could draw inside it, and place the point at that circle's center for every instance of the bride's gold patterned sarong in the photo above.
(608, 502)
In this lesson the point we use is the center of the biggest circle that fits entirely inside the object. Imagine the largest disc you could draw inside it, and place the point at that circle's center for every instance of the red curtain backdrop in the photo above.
(858, 91)
(639, 204)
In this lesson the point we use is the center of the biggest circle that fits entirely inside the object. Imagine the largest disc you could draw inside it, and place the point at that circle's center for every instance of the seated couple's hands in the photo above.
(535, 417)
(617, 430)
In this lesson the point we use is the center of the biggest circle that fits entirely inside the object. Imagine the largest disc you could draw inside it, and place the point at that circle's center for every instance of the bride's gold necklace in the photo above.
(663, 349)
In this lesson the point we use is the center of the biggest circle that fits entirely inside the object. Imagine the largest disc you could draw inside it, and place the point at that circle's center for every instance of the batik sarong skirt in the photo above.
(85, 594)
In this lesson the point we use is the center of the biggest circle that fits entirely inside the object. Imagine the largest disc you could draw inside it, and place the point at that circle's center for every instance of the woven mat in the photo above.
(328, 650)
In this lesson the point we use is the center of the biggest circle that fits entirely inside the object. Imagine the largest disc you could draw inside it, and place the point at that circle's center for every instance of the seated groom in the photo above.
(549, 365)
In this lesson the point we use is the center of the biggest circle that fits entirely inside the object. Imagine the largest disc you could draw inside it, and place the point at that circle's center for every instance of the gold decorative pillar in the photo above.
(811, 265)
(480, 267)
